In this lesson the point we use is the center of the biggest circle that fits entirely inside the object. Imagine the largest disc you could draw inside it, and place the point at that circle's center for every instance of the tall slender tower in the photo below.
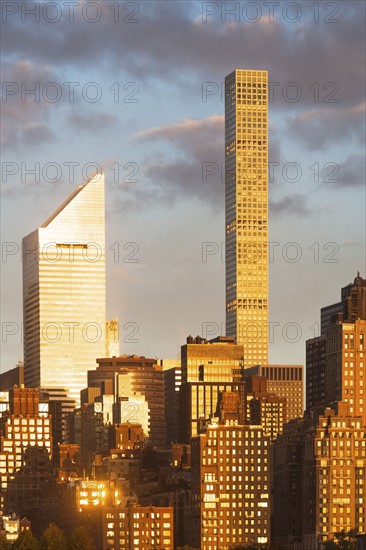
(64, 297)
(246, 209)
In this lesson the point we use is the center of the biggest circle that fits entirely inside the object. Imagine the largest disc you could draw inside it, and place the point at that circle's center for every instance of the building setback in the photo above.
(285, 381)
(198, 403)
(262, 407)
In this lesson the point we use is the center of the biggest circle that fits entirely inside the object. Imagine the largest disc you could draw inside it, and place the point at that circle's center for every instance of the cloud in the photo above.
(180, 130)
(170, 38)
(188, 162)
(195, 166)
(296, 205)
(25, 117)
(317, 128)
(351, 242)
(351, 172)
(97, 121)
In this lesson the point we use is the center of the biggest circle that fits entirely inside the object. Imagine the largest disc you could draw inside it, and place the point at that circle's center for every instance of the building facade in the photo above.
(144, 377)
(230, 487)
(315, 371)
(319, 477)
(64, 295)
(345, 378)
(285, 381)
(12, 377)
(60, 406)
(217, 360)
(198, 403)
(138, 527)
(335, 361)
(246, 211)
(172, 384)
(263, 408)
(286, 480)
(25, 443)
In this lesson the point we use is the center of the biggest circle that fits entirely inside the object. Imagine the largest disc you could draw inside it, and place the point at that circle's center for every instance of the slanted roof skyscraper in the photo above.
(64, 292)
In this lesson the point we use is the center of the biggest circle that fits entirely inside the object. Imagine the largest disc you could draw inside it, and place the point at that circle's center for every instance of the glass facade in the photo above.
(211, 361)
(64, 292)
(246, 206)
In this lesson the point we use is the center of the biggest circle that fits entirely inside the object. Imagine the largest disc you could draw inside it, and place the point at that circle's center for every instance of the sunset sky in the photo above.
(147, 99)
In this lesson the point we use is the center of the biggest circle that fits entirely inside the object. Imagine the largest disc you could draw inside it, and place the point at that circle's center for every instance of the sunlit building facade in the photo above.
(25, 424)
(64, 296)
(335, 361)
(246, 205)
(345, 366)
(285, 381)
(198, 403)
(216, 360)
(230, 487)
(141, 377)
(138, 527)
(319, 478)
(264, 408)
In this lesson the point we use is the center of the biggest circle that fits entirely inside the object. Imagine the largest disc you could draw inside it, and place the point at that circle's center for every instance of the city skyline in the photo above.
(193, 310)
(166, 151)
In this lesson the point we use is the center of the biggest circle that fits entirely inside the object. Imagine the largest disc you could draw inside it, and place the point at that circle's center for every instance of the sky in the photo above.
(136, 88)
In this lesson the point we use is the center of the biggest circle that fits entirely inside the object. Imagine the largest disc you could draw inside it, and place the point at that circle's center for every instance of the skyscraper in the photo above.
(64, 305)
(335, 361)
(319, 478)
(246, 200)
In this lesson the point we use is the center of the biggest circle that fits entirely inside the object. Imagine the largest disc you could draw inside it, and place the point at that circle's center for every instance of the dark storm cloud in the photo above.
(171, 38)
